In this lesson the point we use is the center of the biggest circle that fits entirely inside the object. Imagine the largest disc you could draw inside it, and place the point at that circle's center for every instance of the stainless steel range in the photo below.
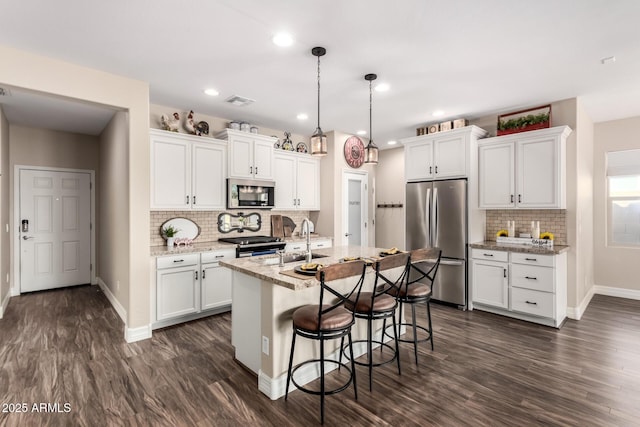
(255, 245)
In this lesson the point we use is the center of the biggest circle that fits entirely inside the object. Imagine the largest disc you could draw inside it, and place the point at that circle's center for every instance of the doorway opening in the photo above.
(355, 208)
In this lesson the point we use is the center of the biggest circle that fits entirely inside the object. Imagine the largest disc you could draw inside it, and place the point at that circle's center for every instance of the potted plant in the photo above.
(170, 233)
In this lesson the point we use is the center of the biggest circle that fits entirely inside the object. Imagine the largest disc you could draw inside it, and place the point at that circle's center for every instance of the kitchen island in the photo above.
(264, 298)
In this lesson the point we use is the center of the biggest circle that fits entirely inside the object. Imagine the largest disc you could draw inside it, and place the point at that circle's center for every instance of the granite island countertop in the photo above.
(272, 273)
(510, 247)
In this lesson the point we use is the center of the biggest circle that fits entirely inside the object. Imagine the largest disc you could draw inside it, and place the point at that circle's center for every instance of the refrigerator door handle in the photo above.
(434, 218)
(428, 216)
(449, 262)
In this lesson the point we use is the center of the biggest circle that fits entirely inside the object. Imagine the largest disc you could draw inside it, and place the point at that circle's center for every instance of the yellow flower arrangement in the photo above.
(502, 233)
(546, 235)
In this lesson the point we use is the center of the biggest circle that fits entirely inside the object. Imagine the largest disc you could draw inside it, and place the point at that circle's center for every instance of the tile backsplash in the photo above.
(553, 220)
(208, 222)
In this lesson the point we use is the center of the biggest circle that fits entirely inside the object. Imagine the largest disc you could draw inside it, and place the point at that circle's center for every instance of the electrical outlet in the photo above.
(265, 345)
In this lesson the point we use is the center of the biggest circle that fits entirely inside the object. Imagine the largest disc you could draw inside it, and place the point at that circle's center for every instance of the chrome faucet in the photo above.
(308, 238)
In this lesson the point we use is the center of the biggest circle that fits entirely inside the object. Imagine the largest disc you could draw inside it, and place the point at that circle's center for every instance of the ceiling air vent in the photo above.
(239, 101)
(4, 92)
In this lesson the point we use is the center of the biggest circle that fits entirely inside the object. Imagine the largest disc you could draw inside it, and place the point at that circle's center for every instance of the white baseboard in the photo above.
(576, 313)
(5, 303)
(112, 299)
(137, 334)
(617, 292)
(130, 334)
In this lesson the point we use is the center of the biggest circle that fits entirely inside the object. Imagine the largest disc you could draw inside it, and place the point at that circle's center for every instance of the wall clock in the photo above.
(354, 152)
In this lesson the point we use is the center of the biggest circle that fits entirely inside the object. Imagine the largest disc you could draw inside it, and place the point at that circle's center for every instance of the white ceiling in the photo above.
(468, 58)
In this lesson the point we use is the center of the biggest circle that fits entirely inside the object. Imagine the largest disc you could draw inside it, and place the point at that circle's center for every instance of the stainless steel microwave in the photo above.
(247, 193)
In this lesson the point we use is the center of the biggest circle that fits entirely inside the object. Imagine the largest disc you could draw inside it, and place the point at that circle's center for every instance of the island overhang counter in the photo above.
(264, 297)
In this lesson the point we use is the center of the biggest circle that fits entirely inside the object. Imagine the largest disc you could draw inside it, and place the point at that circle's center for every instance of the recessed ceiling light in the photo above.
(282, 39)
(438, 113)
(392, 142)
(302, 116)
(382, 87)
(608, 60)
(362, 132)
(212, 92)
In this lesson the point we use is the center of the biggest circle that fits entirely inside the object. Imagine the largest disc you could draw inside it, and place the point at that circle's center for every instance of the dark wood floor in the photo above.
(67, 347)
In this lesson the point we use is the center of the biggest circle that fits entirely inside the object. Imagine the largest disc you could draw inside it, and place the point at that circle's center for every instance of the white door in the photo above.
(216, 286)
(308, 183)
(490, 283)
(241, 157)
(263, 159)
(55, 236)
(418, 161)
(285, 178)
(208, 180)
(170, 174)
(538, 174)
(354, 209)
(497, 176)
(450, 156)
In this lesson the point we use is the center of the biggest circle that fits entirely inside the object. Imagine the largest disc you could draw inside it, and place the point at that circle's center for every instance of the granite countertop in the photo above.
(510, 247)
(271, 273)
(216, 245)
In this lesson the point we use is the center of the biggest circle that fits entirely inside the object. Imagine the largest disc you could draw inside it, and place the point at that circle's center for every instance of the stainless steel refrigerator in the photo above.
(437, 217)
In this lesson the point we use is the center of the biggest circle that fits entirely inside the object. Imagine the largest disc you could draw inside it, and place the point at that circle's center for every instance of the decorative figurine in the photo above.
(202, 128)
(189, 124)
(170, 124)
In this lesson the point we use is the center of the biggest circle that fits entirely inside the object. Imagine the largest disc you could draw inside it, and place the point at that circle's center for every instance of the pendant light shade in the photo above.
(318, 139)
(371, 151)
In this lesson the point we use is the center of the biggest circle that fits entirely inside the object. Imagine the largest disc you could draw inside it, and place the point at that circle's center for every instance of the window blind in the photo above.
(623, 163)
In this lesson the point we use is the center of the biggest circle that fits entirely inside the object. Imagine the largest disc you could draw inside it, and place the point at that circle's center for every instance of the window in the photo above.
(623, 202)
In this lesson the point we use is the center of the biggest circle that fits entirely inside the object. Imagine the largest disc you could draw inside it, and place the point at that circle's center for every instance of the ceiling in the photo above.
(465, 58)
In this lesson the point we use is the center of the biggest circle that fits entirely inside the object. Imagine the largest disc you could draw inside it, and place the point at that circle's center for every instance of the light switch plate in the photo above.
(265, 345)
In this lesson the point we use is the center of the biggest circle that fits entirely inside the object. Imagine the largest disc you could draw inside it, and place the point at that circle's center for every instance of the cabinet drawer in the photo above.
(532, 277)
(321, 244)
(532, 302)
(214, 256)
(500, 256)
(294, 247)
(532, 259)
(177, 260)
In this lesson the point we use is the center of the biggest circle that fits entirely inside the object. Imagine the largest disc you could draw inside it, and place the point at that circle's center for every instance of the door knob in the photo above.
(347, 234)
(27, 237)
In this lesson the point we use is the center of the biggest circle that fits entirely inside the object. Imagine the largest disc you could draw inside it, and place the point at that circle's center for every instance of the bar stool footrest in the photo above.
(318, 392)
(384, 362)
(409, 325)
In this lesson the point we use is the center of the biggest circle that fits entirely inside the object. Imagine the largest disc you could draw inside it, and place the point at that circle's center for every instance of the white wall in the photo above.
(390, 188)
(615, 267)
(41, 74)
(113, 183)
(5, 260)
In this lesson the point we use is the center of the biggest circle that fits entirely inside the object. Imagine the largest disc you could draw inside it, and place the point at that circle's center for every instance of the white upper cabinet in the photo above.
(250, 155)
(524, 170)
(186, 172)
(441, 155)
(297, 178)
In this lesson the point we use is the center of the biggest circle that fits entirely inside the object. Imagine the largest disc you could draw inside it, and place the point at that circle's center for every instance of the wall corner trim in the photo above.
(137, 334)
(113, 300)
(576, 313)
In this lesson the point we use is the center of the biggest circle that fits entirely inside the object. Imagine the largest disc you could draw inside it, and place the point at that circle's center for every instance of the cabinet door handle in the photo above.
(187, 200)
(519, 198)
(219, 256)
(298, 202)
(436, 169)
(504, 272)
(530, 278)
(531, 302)
(512, 198)
(194, 200)
(487, 254)
(196, 274)
(320, 245)
(203, 274)
(294, 202)
(251, 170)
(530, 259)
(430, 169)
(256, 170)
(178, 260)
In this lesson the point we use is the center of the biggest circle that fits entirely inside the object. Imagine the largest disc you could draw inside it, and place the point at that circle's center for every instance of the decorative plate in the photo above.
(354, 152)
(302, 147)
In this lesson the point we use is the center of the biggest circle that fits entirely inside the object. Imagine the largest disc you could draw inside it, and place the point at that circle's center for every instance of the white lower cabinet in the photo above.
(189, 286)
(526, 286)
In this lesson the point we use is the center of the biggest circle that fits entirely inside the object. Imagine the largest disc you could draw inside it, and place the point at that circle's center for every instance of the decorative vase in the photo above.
(170, 242)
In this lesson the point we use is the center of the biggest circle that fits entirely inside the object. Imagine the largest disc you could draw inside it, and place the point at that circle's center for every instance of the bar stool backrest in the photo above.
(336, 272)
(387, 263)
(419, 270)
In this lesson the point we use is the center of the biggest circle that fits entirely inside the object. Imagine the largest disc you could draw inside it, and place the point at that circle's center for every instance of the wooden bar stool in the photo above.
(378, 304)
(327, 321)
(418, 289)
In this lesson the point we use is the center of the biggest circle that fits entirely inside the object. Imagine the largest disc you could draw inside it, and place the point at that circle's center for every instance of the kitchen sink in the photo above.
(288, 258)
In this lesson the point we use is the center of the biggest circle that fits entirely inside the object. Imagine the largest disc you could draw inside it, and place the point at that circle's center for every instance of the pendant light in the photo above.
(318, 139)
(371, 151)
